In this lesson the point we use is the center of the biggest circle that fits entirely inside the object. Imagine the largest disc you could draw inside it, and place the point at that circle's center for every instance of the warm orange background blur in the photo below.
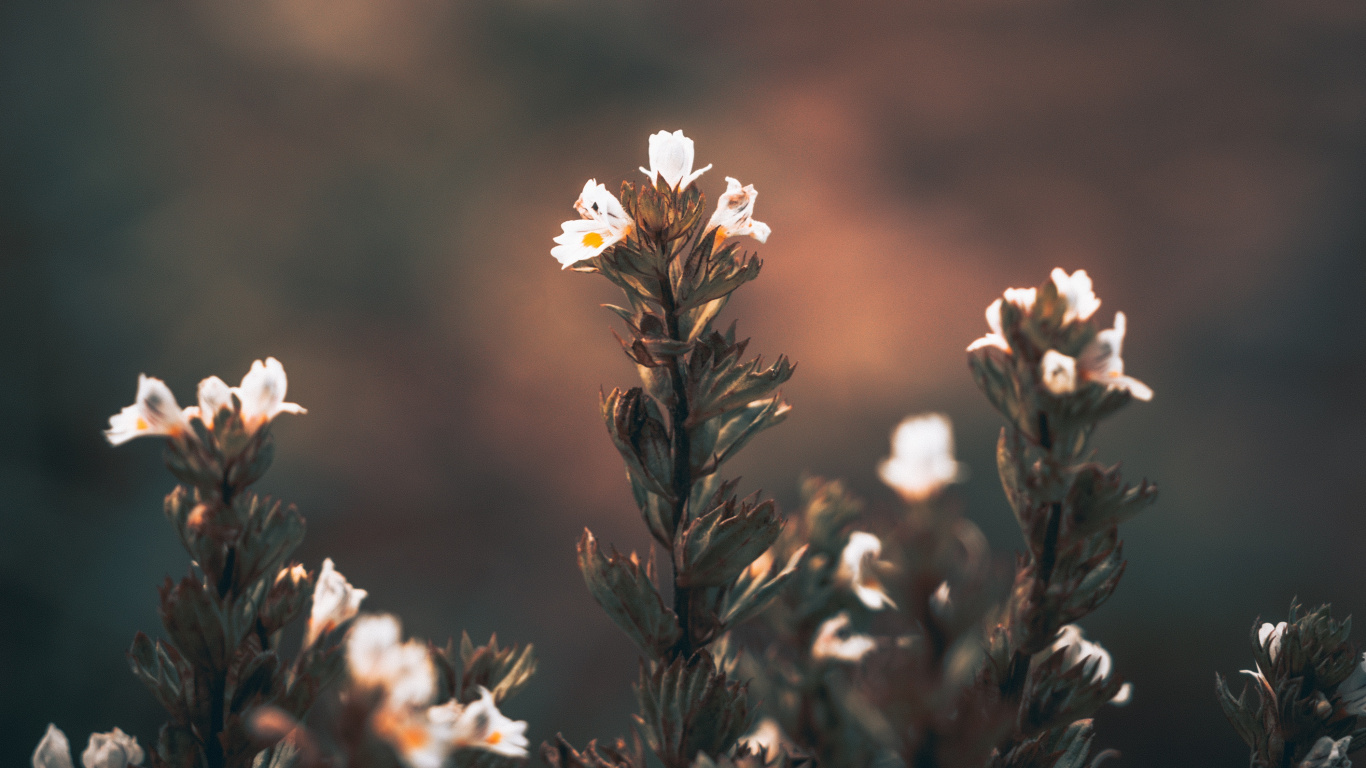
(367, 189)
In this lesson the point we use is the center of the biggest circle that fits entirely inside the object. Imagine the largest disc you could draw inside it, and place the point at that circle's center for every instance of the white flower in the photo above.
(262, 393)
(1101, 363)
(115, 749)
(1269, 635)
(1023, 298)
(376, 659)
(155, 412)
(479, 725)
(604, 223)
(922, 460)
(671, 156)
(1078, 650)
(1327, 753)
(1059, 372)
(831, 642)
(767, 738)
(214, 395)
(1076, 291)
(856, 569)
(1352, 691)
(734, 212)
(334, 601)
(54, 751)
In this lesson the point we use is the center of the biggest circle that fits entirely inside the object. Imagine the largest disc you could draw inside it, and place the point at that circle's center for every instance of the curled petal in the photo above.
(155, 412)
(53, 751)
(262, 393)
(1075, 290)
(734, 213)
(834, 643)
(857, 570)
(334, 601)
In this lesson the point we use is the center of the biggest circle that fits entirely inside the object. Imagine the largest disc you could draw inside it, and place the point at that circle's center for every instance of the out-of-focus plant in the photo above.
(700, 402)
(234, 696)
(1309, 691)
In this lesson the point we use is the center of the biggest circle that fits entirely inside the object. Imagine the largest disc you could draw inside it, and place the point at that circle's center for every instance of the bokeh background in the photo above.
(367, 190)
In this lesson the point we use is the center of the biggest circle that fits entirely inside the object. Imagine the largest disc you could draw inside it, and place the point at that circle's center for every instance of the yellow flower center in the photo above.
(497, 736)
(142, 424)
(592, 239)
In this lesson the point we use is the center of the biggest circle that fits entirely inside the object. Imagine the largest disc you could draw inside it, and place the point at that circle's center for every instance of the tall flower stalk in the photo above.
(700, 401)
(1053, 374)
(221, 656)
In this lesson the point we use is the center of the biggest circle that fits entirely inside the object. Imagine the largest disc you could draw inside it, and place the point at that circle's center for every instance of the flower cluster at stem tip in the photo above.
(604, 222)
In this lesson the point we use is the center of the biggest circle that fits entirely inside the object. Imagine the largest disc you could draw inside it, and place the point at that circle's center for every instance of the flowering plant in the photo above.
(877, 639)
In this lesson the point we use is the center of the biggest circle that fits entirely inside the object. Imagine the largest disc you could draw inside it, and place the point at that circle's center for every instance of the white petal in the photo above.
(1124, 695)
(830, 642)
(734, 213)
(1075, 290)
(214, 395)
(262, 393)
(155, 412)
(53, 751)
(480, 725)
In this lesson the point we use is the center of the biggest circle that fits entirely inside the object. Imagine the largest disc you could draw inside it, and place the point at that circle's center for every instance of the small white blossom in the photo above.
(1059, 372)
(1327, 753)
(735, 211)
(155, 412)
(53, 751)
(377, 659)
(922, 460)
(479, 725)
(1023, 298)
(214, 395)
(334, 601)
(857, 570)
(1075, 291)
(1077, 650)
(262, 393)
(115, 749)
(1101, 363)
(767, 738)
(832, 642)
(1269, 635)
(604, 223)
(1352, 691)
(671, 156)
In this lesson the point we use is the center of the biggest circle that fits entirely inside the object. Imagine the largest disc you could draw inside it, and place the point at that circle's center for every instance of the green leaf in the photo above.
(689, 706)
(624, 590)
(718, 545)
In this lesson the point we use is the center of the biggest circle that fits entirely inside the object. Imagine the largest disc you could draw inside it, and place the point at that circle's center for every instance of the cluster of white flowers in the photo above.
(858, 570)
(422, 735)
(604, 222)
(922, 460)
(1101, 362)
(155, 411)
(1077, 650)
(114, 749)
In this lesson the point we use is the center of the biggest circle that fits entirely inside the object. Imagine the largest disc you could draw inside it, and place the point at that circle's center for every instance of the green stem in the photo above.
(682, 469)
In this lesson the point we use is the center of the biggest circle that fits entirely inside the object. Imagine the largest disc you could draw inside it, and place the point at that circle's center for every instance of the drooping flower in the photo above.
(834, 643)
(1101, 363)
(479, 725)
(604, 223)
(114, 749)
(334, 601)
(1023, 298)
(155, 412)
(262, 393)
(922, 460)
(857, 570)
(53, 751)
(1059, 372)
(735, 211)
(671, 156)
(1352, 691)
(1075, 291)
(377, 659)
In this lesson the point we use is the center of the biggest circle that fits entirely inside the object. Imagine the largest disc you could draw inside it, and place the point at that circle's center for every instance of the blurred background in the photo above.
(367, 190)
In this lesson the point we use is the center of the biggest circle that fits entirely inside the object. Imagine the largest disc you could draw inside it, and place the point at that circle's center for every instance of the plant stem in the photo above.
(682, 469)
